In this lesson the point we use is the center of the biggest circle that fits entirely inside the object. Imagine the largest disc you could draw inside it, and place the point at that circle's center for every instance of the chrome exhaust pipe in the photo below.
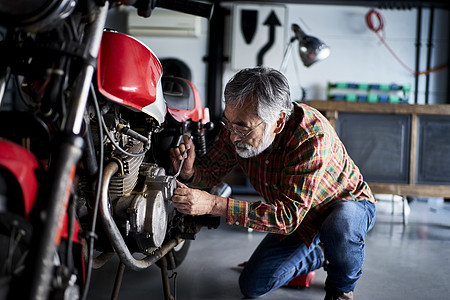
(116, 238)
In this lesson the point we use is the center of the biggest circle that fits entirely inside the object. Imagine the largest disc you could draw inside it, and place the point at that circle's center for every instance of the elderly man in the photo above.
(316, 203)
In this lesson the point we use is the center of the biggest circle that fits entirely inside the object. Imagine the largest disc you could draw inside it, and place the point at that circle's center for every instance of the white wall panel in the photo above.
(357, 55)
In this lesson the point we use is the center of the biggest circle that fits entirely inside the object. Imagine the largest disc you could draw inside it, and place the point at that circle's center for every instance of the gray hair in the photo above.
(267, 89)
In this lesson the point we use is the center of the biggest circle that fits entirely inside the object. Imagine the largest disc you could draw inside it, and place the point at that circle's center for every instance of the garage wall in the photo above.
(357, 55)
(191, 49)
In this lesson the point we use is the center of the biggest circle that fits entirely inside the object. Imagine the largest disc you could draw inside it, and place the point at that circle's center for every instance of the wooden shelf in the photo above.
(332, 109)
(387, 108)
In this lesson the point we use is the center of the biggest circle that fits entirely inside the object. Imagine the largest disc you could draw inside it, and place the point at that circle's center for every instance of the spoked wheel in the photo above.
(179, 253)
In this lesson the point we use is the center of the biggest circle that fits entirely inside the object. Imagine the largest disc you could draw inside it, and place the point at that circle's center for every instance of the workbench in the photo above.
(401, 149)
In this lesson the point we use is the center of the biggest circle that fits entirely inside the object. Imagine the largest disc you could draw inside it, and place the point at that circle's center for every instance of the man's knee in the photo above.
(253, 286)
(343, 247)
(343, 227)
(343, 242)
(249, 287)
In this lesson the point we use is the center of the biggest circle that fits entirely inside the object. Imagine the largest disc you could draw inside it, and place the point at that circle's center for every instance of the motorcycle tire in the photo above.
(13, 229)
(179, 254)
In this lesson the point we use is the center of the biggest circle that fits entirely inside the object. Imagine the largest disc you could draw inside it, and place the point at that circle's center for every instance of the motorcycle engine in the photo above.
(139, 195)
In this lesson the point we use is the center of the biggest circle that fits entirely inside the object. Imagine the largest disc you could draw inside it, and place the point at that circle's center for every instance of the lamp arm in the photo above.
(287, 55)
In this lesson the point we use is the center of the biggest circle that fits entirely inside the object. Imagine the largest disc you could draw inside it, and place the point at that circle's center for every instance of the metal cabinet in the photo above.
(401, 149)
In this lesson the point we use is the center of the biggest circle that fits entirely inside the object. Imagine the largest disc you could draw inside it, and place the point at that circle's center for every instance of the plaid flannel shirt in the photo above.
(300, 176)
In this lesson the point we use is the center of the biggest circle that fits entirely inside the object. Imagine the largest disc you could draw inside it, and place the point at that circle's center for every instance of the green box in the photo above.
(351, 97)
(372, 98)
(394, 99)
(363, 86)
(341, 85)
(385, 87)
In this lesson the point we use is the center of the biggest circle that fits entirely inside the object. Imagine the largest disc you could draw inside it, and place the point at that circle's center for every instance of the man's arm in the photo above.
(207, 171)
(196, 202)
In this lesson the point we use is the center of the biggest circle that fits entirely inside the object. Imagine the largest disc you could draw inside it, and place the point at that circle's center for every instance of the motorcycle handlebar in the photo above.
(196, 8)
(191, 7)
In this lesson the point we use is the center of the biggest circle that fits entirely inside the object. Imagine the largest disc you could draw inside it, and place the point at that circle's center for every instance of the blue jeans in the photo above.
(277, 261)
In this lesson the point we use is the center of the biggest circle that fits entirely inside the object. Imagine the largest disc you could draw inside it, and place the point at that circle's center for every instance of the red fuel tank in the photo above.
(129, 73)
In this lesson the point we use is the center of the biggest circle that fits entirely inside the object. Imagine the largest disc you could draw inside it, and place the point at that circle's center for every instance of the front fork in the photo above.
(49, 215)
(4, 74)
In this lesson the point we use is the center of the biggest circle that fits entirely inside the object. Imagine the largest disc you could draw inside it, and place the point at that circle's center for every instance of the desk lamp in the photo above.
(310, 48)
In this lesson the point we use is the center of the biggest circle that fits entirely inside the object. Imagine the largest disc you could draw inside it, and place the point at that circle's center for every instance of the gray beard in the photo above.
(246, 151)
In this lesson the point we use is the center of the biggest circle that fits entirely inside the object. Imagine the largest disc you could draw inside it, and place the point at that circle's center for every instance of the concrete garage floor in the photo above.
(402, 262)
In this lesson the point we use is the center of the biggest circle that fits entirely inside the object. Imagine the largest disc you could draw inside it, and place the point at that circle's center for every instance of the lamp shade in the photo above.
(310, 48)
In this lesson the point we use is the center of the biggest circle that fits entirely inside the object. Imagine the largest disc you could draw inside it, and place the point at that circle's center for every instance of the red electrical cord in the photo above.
(380, 27)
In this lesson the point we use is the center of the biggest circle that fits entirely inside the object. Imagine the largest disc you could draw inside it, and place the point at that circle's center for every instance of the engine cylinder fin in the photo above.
(124, 184)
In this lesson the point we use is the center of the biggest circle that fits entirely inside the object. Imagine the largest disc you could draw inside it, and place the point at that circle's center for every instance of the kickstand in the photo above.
(165, 279)
(118, 281)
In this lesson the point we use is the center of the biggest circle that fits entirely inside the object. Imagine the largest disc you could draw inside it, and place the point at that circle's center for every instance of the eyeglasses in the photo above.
(230, 128)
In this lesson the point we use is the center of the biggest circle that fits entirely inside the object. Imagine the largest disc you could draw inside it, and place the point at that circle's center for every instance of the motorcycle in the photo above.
(88, 143)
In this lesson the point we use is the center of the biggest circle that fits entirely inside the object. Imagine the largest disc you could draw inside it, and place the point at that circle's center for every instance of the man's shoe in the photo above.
(302, 281)
(338, 296)
(298, 282)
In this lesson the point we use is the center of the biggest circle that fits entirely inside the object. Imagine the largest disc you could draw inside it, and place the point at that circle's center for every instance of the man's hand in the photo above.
(196, 202)
(176, 155)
